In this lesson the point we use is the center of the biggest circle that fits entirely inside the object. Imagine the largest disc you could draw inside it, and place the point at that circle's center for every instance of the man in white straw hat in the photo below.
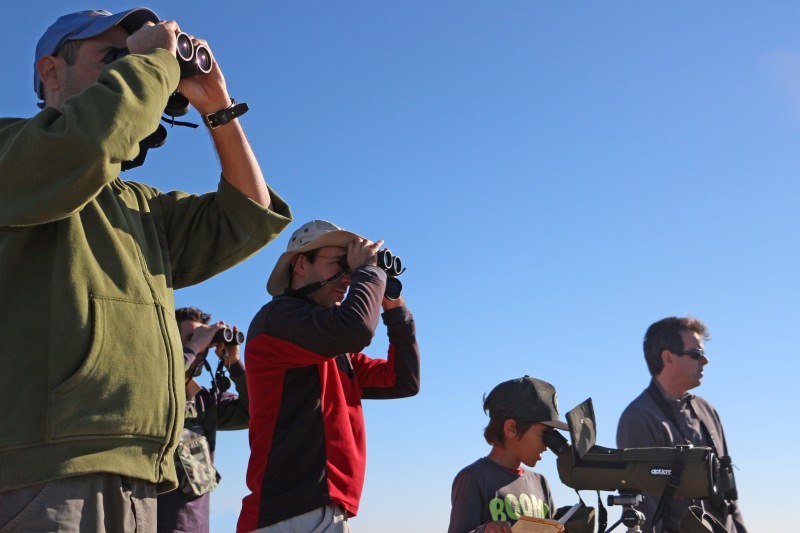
(307, 377)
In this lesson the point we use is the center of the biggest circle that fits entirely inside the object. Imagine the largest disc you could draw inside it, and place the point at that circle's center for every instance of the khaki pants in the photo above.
(92, 503)
(327, 519)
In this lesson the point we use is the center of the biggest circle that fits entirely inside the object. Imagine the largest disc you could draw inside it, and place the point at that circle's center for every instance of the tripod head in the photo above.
(631, 518)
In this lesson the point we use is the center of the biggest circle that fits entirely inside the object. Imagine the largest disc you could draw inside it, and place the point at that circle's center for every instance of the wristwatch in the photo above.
(223, 116)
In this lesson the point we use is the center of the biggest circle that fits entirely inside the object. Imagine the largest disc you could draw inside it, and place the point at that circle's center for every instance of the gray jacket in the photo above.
(643, 424)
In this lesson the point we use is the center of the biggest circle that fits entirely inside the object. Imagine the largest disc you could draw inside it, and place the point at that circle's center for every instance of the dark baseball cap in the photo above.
(85, 25)
(525, 398)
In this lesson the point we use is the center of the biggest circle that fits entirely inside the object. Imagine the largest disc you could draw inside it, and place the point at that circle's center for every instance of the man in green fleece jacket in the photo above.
(92, 393)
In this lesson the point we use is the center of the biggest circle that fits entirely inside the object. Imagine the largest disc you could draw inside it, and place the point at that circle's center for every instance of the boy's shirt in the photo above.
(485, 491)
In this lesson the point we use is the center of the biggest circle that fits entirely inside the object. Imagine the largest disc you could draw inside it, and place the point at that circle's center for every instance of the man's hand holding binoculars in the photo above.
(207, 92)
(362, 252)
(203, 86)
(206, 336)
(149, 36)
(365, 252)
(228, 352)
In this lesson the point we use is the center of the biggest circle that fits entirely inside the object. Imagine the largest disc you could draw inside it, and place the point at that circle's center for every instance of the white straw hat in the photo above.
(310, 236)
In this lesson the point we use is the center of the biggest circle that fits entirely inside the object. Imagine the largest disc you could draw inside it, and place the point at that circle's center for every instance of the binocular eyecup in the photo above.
(390, 263)
(393, 267)
(228, 336)
(193, 59)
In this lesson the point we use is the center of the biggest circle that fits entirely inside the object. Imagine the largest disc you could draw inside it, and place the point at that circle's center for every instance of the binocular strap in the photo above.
(653, 391)
(308, 289)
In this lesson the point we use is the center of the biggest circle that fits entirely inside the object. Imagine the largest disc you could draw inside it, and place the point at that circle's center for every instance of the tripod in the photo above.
(633, 519)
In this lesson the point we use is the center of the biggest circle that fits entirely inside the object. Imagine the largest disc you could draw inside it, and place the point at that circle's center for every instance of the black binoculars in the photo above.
(727, 482)
(228, 336)
(390, 263)
(393, 267)
(194, 60)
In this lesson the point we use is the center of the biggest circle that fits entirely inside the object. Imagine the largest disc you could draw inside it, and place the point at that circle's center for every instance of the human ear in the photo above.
(299, 263)
(510, 428)
(48, 68)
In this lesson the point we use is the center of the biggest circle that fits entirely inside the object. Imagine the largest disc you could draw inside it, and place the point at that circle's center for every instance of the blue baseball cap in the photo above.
(85, 25)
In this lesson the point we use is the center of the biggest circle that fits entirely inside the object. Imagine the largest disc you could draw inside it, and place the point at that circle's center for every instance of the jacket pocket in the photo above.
(125, 386)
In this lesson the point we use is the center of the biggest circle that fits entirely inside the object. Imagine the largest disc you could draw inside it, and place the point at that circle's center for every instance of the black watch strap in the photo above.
(223, 116)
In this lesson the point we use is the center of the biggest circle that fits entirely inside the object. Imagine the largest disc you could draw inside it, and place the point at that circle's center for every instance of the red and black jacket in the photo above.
(306, 378)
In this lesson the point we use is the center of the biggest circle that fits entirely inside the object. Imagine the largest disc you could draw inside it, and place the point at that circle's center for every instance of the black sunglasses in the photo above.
(694, 353)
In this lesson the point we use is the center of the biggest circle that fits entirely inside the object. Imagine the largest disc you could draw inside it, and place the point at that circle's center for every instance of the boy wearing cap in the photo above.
(307, 376)
(491, 494)
(92, 392)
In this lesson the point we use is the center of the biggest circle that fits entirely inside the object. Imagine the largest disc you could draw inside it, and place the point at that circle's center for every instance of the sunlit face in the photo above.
(91, 59)
(529, 447)
(325, 266)
(687, 372)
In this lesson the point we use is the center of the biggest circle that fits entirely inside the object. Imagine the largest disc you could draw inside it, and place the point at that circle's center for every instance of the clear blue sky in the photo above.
(555, 176)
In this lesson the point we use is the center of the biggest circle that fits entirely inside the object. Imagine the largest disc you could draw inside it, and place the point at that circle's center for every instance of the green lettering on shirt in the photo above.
(512, 507)
(496, 507)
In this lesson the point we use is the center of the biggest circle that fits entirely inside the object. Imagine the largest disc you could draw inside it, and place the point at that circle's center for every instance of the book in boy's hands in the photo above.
(529, 524)
(564, 518)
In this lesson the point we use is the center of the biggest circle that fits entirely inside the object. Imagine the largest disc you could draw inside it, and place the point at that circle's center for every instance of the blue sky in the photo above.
(555, 176)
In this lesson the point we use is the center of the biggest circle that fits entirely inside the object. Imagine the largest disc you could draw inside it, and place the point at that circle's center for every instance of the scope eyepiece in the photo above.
(555, 441)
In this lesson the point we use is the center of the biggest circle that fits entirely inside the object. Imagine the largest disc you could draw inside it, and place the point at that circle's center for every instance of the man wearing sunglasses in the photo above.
(666, 415)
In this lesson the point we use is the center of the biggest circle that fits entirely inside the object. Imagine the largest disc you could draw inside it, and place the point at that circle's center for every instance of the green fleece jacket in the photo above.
(92, 362)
